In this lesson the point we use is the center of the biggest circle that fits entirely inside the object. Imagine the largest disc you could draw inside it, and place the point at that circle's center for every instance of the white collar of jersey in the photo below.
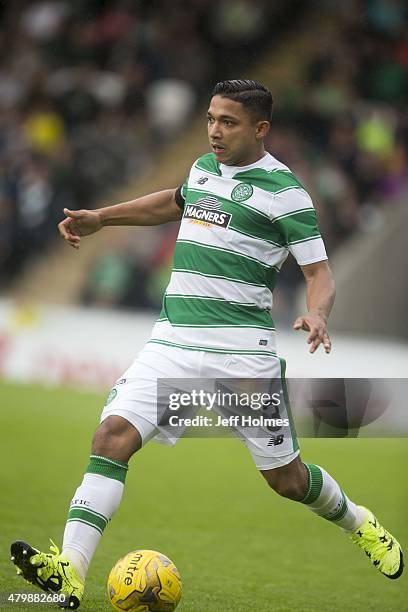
(230, 171)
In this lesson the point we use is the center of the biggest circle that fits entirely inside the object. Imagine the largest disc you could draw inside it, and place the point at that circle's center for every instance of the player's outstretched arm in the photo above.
(320, 293)
(153, 209)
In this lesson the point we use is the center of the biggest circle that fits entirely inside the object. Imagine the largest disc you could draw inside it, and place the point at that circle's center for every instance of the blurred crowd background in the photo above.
(91, 90)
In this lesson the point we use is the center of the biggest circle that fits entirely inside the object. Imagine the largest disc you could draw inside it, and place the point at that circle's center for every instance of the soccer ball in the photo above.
(144, 581)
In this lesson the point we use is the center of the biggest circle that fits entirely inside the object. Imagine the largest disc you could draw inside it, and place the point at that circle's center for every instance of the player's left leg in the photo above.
(311, 485)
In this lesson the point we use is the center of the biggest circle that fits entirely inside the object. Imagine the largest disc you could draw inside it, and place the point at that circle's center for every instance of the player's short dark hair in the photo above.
(253, 96)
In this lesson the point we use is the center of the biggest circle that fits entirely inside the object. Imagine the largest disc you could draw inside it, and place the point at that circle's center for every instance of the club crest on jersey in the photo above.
(206, 212)
(242, 192)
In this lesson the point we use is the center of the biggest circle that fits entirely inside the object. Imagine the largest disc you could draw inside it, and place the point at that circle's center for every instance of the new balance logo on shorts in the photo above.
(275, 440)
(202, 180)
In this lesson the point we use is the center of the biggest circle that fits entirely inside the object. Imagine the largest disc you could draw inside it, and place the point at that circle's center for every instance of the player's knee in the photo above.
(292, 489)
(289, 481)
(116, 438)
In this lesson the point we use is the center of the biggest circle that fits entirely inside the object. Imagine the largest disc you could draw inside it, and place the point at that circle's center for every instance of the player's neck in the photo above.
(253, 158)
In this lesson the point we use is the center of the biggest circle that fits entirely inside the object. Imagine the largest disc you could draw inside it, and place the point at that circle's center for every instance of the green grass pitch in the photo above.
(238, 546)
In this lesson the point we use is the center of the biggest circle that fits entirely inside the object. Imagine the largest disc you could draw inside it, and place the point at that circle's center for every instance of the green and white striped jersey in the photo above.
(238, 226)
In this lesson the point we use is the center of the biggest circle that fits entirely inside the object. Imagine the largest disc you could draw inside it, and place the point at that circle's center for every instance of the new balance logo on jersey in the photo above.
(275, 440)
(202, 180)
(205, 211)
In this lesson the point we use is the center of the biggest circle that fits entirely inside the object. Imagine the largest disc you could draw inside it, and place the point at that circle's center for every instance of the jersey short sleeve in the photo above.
(181, 193)
(293, 215)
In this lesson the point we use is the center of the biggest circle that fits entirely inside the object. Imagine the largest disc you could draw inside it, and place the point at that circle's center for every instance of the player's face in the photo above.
(235, 138)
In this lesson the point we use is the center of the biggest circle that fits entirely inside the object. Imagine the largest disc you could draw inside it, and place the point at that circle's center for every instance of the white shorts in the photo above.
(135, 397)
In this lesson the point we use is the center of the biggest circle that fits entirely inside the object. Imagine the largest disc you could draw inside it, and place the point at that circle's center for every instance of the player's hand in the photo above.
(79, 223)
(316, 325)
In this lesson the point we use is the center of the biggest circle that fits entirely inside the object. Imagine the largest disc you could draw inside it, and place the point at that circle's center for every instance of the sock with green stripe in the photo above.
(328, 500)
(93, 505)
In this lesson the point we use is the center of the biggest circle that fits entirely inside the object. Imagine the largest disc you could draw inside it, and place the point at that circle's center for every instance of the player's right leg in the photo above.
(92, 507)
(128, 421)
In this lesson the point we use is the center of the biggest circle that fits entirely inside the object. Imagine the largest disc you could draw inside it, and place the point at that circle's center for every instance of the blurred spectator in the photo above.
(169, 103)
(43, 129)
(108, 280)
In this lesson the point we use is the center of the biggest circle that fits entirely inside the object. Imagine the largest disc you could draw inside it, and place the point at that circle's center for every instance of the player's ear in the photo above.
(262, 128)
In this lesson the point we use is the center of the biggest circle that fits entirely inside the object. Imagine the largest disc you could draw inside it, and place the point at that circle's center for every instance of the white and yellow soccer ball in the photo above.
(144, 581)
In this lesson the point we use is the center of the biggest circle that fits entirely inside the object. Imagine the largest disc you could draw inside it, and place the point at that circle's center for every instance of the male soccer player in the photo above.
(241, 212)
